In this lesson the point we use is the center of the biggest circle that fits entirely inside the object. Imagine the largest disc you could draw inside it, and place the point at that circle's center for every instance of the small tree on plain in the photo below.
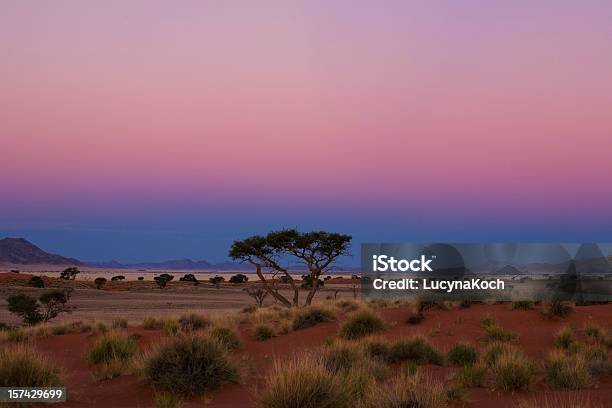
(70, 273)
(161, 281)
(52, 303)
(216, 280)
(100, 282)
(258, 293)
(239, 278)
(25, 307)
(316, 250)
(37, 282)
(117, 278)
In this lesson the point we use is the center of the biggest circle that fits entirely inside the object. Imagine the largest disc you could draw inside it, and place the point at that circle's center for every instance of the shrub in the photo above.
(263, 332)
(141, 278)
(26, 307)
(189, 365)
(594, 354)
(557, 308)
(36, 281)
(193, 321)
(340, 357)
(463, 354)
(101, 328)
(512, 371)
(226, 337)
(151, 323)
(415, 318)
(117, 278)
(304, 382)
(347, 305)
(496, 333)
(120, 324)
(21, 366)
(360, 324)
(593, 331)
(565, 372)
(522, 305)
(376, 349)
(111, 347)
(100, 282)
(470, 376)
(416, 349)
(408, 391)
(59, 330)
(239, 278)
(488, 321)
(18, 335)
(425, 305)
(565, 338)
(494, 350)
(311, 316)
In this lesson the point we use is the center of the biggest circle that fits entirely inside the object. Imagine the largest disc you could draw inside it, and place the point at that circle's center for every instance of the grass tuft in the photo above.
(193, 321)
(264, 332)
(360, 324)
(21, 366)
(417, 350)
(567, 372)
(565, 338)
(463, 354)
(557, 309)
(225, 336)
(408, 391)
(512, 371)
(311, 316)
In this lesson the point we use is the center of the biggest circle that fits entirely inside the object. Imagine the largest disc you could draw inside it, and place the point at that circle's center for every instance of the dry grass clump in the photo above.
(470, 376)
(565, 338)
(304, 382)
(189, 365)
(21, 366)
(496, 349)
(557, 309)
(100, 328)
(18, 335)
(497, 333)
(522, 305)
(512, 371)
(193, 321)
(463, 354)
(119, 323)
(376, 348)
(113, 354)
(360, 324)
(488, 321)
(425, 305)
(347, 305)
(417, 350)
(311, 316)
(594, 331)
(342, 357)
(225, 336)
(167, 401)
(151, 323)
(408, 391)
(264, 332)
(563, 371)
(171, 327)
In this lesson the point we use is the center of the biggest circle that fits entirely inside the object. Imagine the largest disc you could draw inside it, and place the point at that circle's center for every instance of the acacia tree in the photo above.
(316, 250)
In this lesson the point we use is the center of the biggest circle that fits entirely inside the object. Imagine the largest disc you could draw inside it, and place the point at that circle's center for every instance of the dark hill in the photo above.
(21, 251)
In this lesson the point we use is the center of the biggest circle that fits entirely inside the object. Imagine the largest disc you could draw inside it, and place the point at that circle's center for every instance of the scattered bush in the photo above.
(167, 401)
(496, 349)
(120, 324)
(565, 338)
(239, 278)
(141, 278)
(488, 321)
(226, 337)
(193, 321)
(557, 309)
(100, 282)
(189, 277)
(111, 347)
(264, 332)
(567, 372)
(415, 318)
(360, 324)
(26, 307)
(347, 305)
(21, 366)
(151, 323)
(171, 327)
(522, 305)
(258, 293)
(416, 349)
(463, 354)
(36, 281)
(512, 371)
(101, 328)
(117, 278)
(470, 376)
(425, 305)
(376, 349)
(18, 335)
(408, 391)
(189, 365)
(311, 316)
(593, 331)
(593, 353)
(304, 382)
(216, 280)
(496, 333)
(69, 273)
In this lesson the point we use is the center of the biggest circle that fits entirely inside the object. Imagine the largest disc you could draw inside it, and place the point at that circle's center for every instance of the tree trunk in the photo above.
(271, 291)
(313, 289)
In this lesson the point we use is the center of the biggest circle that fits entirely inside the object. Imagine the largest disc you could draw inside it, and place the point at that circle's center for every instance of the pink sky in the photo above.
(491, 107)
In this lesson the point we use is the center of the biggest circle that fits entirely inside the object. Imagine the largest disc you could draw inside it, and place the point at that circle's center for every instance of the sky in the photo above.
(153, 130)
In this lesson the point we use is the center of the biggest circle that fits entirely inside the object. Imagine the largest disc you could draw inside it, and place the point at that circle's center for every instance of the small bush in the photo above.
(594, 354)
(263, 332)
(21, 366)
(189, 365)
(494, 350)
(18, 335)
(415, 318)
(463, 354)
(101, 328)
(488, 321)
(512, 371)
(496, 333)
(341, 357)
(470, 376)
(151, 323)
(408, 391)
(557, 309)
(593, 331)
(120, 324)
(312, 316)
(567, 372)
(59, 330)
(522, 305)
(360, 324)
(193, 321)
(347, 305)
(304, 382)
(417, 350)
(171, 327)
(113, 346)
(565, 338)
(36, 281)
(226, 337)
(376, 349)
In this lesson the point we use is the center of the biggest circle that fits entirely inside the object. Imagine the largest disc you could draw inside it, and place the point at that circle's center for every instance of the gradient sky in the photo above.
(150, 130)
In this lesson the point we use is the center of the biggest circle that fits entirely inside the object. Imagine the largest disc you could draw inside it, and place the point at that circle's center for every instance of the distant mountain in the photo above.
(175, 264)
(509, 270)
(21, 251)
